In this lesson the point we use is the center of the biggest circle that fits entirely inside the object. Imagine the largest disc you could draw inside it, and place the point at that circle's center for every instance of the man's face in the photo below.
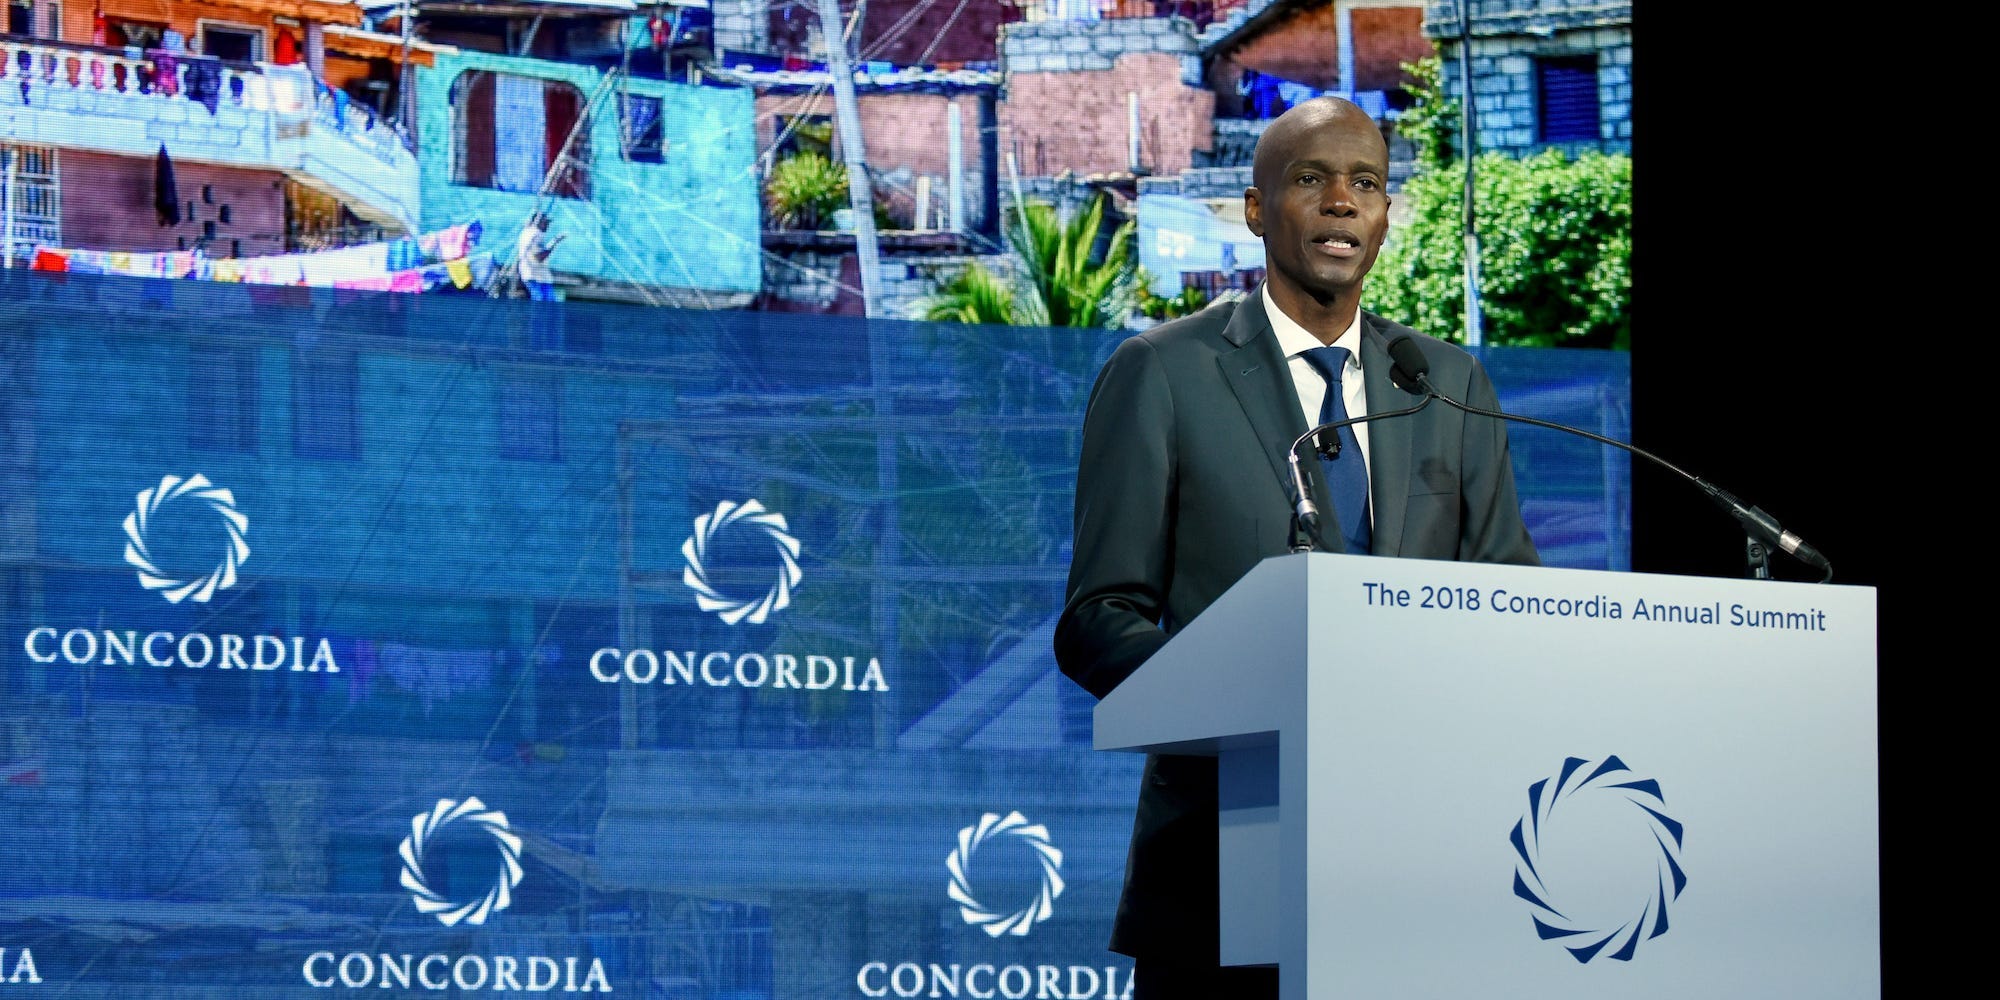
(1324, 206)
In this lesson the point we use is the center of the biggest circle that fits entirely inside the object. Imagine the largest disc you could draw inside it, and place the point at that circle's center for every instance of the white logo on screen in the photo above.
(1018, 922)
(425, 826)
(695, 549)
(141, 520)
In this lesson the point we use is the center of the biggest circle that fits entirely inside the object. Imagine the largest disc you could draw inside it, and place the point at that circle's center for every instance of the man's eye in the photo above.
(1308, 178)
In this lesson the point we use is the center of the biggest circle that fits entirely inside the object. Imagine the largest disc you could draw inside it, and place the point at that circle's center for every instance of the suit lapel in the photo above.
(1390, 442)
(1256, 372)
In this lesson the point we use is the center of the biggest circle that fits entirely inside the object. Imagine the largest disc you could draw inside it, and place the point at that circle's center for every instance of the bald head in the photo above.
(1283, 136)
(1319, 200)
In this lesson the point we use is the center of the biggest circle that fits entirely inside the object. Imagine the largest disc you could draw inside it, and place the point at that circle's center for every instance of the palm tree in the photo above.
(974, 295)
(1060, 285)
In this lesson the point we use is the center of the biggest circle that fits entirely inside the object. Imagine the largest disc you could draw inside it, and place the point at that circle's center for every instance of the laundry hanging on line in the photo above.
(416, 263)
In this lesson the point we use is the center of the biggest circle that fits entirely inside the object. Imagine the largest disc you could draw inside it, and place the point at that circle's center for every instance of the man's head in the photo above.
(1320, 201)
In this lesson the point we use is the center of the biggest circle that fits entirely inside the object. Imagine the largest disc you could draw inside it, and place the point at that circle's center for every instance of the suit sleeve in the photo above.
(1121, 559)
(1492, 524)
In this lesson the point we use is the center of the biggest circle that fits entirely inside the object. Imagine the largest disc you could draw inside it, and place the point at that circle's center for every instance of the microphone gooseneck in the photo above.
(1410, 370)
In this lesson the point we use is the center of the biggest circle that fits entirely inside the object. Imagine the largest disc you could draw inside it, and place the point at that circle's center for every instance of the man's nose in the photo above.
(1337, 199)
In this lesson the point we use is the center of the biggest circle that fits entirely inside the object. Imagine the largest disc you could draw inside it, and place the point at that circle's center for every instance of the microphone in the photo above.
(1305, 514)
(1411, 368)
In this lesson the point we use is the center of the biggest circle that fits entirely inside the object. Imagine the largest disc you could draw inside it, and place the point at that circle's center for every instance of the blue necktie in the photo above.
(1347, 474)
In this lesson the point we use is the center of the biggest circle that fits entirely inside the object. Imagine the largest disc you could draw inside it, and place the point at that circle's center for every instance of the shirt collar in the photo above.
(1295, 341)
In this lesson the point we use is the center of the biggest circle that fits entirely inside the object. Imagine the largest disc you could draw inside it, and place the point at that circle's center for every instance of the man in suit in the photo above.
(1184, 486)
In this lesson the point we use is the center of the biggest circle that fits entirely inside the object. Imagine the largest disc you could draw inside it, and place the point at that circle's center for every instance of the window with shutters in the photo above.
(641, 129)
(326, 422)
(531, 416)
(222, 398)
(511, 132)
(1566, 93)
(32, 199)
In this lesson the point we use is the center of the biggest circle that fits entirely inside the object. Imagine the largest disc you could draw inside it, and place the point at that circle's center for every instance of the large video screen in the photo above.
(573, 497)
(351, 640)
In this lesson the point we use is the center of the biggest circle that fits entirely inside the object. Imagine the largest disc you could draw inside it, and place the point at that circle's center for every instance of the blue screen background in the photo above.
(463, 501)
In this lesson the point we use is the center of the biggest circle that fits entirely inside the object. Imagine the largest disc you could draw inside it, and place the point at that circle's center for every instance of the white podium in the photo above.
(1453, 780)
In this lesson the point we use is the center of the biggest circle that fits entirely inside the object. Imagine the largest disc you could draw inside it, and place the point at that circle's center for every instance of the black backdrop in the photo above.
(1771, 204)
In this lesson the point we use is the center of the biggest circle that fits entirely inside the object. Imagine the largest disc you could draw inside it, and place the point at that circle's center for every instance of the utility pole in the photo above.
(1474, 323)
(847, 118)
(406, 102)
(13, 159)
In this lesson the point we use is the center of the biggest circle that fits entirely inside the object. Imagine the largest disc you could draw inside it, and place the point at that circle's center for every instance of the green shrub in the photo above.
(974, 295)
(1430, 123)
(1189, 300)
(1555, 251)
(1555, 237)
(804, 190)
(1076, 290)
(1063, 285)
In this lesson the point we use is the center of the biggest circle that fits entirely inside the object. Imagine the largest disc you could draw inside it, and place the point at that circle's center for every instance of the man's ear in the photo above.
(1253, 210)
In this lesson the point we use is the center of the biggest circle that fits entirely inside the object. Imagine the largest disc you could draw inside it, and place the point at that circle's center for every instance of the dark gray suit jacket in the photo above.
(1183, 486)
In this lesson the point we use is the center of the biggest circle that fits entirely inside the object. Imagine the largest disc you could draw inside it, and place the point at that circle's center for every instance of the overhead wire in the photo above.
(801, 105)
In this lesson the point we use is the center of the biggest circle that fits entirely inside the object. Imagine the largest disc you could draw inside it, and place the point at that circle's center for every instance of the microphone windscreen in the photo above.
(1410, 363)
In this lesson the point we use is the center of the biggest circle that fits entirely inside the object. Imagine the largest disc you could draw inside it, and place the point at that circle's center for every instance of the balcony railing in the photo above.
(44, 65)
(1201, 12)
(359, 123)
(242, 114)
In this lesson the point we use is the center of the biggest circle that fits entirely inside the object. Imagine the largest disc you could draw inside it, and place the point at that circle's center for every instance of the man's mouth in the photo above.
(1338, 244)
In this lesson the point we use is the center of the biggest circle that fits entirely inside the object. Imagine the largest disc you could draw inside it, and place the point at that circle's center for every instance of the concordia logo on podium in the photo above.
(721, 668)
(1017, 919)
(185, 509)
(1640, 830)
(471, 973)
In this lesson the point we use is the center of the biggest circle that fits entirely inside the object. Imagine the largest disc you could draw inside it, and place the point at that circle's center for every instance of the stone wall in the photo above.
(1235, 142)
(1503, 87)
(741, 25)
(1057, 46)
(807, 281)
(907, 281)
(1208, 182)
(1067, 193)
(1077, 120)
(1508, 36)
(811, 282)
(1496, 17)
(1236, 146)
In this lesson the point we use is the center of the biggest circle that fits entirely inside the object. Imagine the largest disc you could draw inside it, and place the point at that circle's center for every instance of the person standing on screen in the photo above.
(531, 259)
(1183, 486)
(531, 262)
